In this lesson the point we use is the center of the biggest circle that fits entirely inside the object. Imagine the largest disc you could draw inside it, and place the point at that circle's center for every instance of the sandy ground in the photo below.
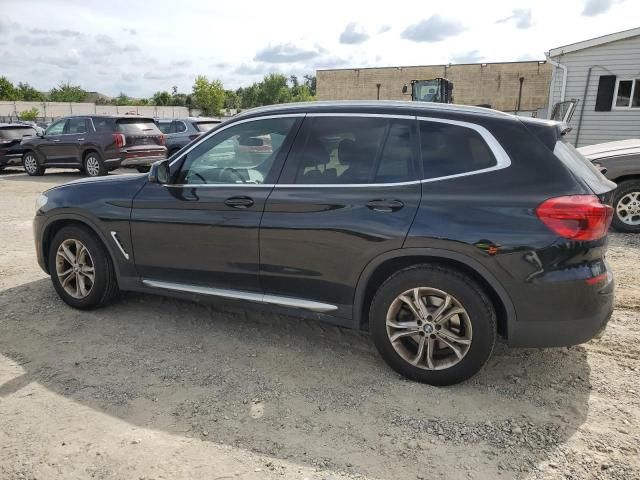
(155, 388)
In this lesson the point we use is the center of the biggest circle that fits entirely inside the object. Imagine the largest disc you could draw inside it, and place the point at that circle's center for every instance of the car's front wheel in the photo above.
(81, 268)
(433, 325)
(626, 205)
(31, 164)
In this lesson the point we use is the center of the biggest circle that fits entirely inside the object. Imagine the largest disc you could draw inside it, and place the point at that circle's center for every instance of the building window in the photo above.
(627, 94)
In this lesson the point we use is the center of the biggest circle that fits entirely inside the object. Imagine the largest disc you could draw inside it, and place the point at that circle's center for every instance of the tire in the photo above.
(475, 325)
(626, 207)
(31, 164)
(143, 168)
(102, 289)
(93, 165)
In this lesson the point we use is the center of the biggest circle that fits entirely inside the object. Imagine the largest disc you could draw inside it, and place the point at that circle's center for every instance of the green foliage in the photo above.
(161, 98)
(65, 92)
(7, 90)
(208, 95)
(277, 88)
(30, 115)
(231, 100)
(122, 99)
(29, 94)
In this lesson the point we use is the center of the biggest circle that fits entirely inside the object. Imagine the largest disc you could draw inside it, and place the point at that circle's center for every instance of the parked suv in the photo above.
(11, 134)
(620, 162)
(435, 227)
(95, 144)
(181, 131)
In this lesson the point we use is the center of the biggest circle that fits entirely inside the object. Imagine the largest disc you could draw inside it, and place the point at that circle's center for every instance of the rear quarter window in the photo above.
(137, 126)
(449, 149)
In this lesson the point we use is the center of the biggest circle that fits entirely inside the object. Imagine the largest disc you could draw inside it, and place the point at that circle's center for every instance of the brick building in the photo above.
(497, 84)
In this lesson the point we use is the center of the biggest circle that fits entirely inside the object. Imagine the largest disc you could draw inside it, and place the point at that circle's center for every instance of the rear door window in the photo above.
(355, 150)
(449, 149)
(178, 127)
(165, 127)
(137, 126)
(76, 125)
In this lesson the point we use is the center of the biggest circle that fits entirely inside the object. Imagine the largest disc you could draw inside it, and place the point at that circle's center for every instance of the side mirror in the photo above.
(40, 134)
(159, 172)
(405, 89)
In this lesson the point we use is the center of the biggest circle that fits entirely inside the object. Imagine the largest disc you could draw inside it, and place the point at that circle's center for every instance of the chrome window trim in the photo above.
(114, 235)
(501, 156)
(243, 295)
(213, 133)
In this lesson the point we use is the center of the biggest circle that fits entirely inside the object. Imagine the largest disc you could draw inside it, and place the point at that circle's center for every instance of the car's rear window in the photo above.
(137, 126)
(449, 149)
(205, 126)
(16, 133)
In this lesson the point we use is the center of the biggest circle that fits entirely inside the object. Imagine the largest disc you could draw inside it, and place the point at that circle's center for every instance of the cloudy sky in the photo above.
(139, 47)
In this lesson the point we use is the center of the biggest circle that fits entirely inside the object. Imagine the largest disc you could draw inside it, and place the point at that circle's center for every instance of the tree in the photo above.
(7, 90)
(310, 81)
(122, 99)
(180, 99)
(30, 115)
(274, 89)
(29, 94)
(303, 94)
(161, 98)
(65, 92)
(231, 100)
(249, 96)
(208, 95)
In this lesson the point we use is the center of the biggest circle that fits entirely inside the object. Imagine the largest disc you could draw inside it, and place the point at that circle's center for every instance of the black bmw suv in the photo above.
(435, 227)
(95, 144)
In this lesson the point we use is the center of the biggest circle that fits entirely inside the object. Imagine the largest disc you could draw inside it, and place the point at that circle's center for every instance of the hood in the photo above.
(611, 149)
(121, 178)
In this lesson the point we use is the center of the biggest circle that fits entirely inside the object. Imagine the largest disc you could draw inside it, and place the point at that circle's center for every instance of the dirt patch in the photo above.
(151, 387)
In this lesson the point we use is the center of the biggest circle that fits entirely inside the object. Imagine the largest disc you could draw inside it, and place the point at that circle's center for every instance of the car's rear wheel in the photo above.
(433, 325)
(31, 164)
(81, 268)
(626, 205)
(93, 165)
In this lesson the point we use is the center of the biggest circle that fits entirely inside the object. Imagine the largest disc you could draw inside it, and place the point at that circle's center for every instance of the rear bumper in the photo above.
(582, 313)
(133, 161)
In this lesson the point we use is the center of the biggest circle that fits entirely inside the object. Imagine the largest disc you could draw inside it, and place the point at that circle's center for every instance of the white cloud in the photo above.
(596, 7)
(433, 29)
(353, 34)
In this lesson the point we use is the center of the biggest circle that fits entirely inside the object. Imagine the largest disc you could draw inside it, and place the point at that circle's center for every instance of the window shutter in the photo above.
(604, 99)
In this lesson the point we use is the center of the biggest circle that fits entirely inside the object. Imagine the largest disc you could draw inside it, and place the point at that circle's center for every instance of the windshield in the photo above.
(16, 133)
(138, 126)
(206, 126)
(427, 91)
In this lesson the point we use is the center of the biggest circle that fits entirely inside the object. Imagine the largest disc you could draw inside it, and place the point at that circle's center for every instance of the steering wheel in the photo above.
(234, 171)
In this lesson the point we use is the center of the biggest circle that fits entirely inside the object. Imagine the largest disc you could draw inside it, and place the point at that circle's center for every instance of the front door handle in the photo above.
(80, 139)
(239, 202)
(385, 206)
(55, 140)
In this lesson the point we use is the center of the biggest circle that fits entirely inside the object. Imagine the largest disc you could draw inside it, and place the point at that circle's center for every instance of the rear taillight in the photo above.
(576, 217)
(119, 139)
(161, 138)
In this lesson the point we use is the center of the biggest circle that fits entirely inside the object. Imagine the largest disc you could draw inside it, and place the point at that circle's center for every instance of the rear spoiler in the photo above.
(547, 131)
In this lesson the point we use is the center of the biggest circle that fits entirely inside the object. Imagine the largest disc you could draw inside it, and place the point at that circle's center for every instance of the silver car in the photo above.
(620, 162)
(180, 131)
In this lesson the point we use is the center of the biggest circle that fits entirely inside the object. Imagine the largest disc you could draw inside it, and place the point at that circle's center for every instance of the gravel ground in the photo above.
(156, 388)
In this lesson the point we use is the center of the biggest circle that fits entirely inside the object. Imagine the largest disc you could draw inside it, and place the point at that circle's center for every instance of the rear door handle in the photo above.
(80, 139)
(55, 140)
(239, 202)
(385, 206)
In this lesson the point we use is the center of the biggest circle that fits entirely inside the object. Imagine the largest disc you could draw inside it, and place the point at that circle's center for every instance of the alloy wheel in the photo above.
(92, 166)
(429, 328)
(75, 268)
(628, 208)
(30, 163)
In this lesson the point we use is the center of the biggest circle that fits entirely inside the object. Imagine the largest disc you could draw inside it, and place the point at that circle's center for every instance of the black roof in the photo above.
(379, 106)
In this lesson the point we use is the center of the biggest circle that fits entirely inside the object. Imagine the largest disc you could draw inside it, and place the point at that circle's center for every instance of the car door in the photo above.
(202, 228)
(348, 193)
(51, 146)
(76, 135)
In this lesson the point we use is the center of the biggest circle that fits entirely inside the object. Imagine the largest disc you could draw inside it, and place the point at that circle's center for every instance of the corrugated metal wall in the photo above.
(620, 58)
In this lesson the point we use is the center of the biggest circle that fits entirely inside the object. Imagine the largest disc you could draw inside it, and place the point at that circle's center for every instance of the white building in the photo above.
(603, 76)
